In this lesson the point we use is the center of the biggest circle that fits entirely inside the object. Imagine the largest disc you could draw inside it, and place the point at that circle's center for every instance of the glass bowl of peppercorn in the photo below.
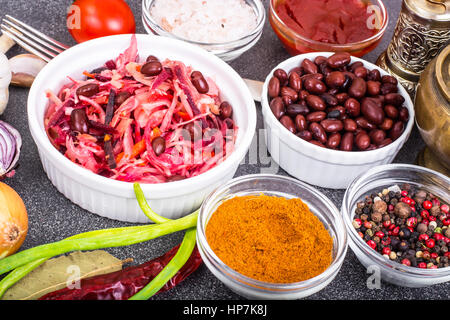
(271, 237)
(398, 221)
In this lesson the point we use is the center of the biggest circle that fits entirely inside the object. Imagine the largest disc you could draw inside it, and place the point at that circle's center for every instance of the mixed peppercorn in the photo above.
(406, 225)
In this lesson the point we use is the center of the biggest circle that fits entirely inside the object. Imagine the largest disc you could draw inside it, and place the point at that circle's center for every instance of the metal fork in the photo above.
(31, 39)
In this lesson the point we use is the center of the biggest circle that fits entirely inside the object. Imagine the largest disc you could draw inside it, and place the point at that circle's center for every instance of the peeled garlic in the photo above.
(24, 68)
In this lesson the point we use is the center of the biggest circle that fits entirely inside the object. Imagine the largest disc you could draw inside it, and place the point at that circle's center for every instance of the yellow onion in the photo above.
(13, 221)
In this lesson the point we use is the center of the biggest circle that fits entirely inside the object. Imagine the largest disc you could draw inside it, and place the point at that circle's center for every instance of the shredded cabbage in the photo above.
(167, 106)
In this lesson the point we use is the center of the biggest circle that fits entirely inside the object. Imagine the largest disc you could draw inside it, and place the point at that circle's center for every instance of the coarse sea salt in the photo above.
(207, 21)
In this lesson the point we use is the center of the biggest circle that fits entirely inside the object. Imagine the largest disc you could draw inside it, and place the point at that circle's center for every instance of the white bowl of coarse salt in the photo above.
(225, 28)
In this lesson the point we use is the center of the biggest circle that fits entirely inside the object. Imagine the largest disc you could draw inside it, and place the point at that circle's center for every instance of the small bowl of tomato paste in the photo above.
(354, 26)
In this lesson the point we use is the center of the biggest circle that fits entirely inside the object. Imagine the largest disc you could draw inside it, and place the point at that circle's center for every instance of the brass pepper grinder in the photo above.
(423, 29)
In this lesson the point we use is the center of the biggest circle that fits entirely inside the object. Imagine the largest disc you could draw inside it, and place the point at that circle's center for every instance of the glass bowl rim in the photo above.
(250, 283)
(373, 255)
(380, 32)
(260, 16)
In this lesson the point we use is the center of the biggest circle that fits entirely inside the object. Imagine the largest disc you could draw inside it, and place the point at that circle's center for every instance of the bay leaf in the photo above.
(57, 273)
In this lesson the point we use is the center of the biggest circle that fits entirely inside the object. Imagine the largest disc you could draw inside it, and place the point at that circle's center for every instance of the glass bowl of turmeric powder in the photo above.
(271, 237)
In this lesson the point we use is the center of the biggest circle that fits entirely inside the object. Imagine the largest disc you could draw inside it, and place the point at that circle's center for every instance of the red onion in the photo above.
(10, 144)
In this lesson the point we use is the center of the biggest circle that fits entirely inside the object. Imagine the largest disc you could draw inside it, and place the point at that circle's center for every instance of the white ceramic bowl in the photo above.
(319, 166)
(116, 199)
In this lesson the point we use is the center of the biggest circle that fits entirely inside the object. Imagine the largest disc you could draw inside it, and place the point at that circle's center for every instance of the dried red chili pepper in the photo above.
(123, 284)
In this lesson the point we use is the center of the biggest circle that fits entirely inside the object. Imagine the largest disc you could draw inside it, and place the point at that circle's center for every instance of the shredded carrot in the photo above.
(156, 132)
(184, 115)
(89, 75)
(138, 148)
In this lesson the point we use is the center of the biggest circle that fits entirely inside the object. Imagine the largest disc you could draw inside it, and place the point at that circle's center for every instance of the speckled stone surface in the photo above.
(53, 217)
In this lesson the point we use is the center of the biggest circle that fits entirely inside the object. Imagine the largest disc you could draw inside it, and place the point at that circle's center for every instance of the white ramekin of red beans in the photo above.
(330, 116)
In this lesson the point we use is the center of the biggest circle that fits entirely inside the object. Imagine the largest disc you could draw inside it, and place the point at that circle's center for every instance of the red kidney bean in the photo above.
(332, 125)
(387, 88)
(342, 97)
(396, 130)
(318, 132)
(347, 142)
(273, 87)
(159, 145)
(303, 94)
(358, 88)
(194, 130)
(350, 125)
(374, 75)
(395, 99)
(295, 82)
(403, 114)
(386, 142)
(288, 91)
(391, 111)
(319, 60)
(341, 110)
(121, 97)
(372, 110)
(362, 141)
(373, 87)
(308, 66)
(355, 65)
(389, 79)
(300, 123)
(352, 107)
(334, 140)
(287, 100)
(226, 110)
(199, 82)
(335, 79)
(297, 108)
(333, 91)
(339, 60)
(297, 70)
(316, 116)
(325, 69)
(364, 124)
(334, 114)
(361, 72)
(317, 76)
(88, 90)
(79, 121)
(314, 86)
(281, 75)
(287, 122)
(152, 68)
(329, 99)
(315, 102)
(386, 125)
(277, 107)
(151, 58)
(305, 135)
(377, 136)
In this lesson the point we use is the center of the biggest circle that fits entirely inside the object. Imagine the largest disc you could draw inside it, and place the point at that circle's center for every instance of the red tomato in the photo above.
(90, 19)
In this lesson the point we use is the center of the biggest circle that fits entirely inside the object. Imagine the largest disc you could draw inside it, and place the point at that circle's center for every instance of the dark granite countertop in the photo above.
(52, 217)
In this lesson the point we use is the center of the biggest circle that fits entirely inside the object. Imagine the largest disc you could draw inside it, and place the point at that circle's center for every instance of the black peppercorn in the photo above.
(403, 246)
(404, 233)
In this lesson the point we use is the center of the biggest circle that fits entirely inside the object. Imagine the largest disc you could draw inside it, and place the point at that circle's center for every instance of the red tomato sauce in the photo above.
(328, 21)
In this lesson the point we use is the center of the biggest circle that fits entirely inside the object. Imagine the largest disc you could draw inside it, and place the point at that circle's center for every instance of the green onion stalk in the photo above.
(23, 262)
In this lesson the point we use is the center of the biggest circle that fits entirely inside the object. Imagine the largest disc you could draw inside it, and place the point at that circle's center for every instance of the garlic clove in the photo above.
(5, 79)
(6, 43)
(25, 68)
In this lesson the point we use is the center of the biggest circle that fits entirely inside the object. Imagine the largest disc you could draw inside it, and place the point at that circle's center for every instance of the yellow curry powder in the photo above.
(270, 239)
